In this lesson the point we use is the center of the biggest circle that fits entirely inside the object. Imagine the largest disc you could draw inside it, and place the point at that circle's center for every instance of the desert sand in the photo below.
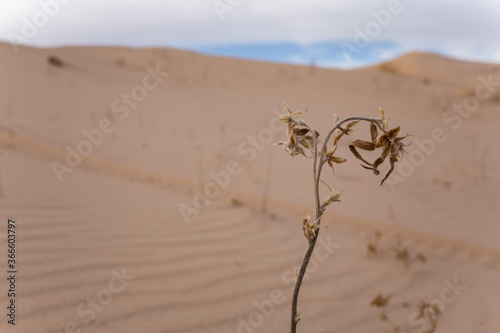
(130, 238)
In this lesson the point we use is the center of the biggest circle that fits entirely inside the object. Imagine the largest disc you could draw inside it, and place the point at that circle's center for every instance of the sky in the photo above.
(327, 33)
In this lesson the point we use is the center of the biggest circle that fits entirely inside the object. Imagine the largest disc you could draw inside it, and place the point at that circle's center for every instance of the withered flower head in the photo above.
(304, 137)
(299, 137)
(290, 118)
(291, 146)
(392, 146)
(329, 155)
(334, 159)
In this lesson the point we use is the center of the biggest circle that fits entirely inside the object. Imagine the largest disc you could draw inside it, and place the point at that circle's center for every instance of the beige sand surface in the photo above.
(117, 213)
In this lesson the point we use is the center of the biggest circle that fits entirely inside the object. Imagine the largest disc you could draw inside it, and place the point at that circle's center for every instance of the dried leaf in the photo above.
(379, 161)
(290, 113)
(393, 132)
(332, 197)
(391, 160)
(309, 138)
(375, 171)
(358, 156)
(337, 160)
(352, 123)
(337, 137)
(383, 141)
(287, 108)
(365, 145)
(350, 126)
(382, 158)
(301, 131)
(402, 138)
(384, 119)
(373, 132)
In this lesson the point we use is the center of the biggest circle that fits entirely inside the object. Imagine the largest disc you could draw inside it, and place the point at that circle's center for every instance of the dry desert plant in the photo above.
(425, 310)
(302, 139)
(375, 247)
(55, 61)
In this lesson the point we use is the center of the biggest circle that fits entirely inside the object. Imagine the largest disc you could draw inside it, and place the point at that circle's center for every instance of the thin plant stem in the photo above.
(319, 210)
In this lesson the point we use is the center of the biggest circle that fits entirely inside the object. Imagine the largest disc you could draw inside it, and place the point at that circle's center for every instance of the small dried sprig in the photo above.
(298, 136)
(403, 254)
(430, 312)
(329, 155)
(297, 318)
(302, 138)
(331, 198)
(375, 246)
(382, 302)
(425, 310)
(310, 228)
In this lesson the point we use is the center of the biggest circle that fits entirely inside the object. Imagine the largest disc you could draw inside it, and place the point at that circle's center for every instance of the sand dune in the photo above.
(432, 66)
(112, 230)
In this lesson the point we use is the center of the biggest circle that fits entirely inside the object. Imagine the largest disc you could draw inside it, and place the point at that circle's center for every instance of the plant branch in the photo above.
(337, 126)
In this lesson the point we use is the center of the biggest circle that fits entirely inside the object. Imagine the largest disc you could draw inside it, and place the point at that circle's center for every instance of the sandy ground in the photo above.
(103, 246)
